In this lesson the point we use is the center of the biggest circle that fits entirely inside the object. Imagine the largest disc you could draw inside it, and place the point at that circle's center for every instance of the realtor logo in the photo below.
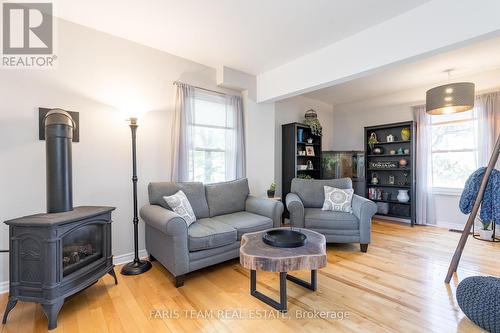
(27, 30)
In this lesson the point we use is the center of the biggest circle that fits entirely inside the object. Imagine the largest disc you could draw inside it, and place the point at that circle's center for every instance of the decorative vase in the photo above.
(403, 163)
(300, 133)
(374, 179)
(403, 196)
(405, 134)
(377, 150)
(270, 193)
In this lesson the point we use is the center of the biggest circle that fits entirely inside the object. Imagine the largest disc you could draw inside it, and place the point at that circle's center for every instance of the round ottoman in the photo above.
(479, 299)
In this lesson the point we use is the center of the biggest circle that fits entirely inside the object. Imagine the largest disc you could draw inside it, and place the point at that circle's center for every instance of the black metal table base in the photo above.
(282, 305)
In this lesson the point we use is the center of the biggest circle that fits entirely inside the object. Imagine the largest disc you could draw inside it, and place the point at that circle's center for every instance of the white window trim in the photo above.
(449, 191)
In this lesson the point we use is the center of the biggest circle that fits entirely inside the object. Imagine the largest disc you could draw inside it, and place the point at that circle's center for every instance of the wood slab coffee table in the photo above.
(258, 256)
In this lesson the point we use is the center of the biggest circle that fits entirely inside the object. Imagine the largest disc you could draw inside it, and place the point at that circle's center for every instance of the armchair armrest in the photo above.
(296, 209)
(364, 210)
(164, 220)
(265, 207)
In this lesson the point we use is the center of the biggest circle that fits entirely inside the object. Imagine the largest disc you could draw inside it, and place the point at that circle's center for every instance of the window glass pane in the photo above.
(209, 167)
(207, 112)
(452, 169)
(453, 136)
(209, 138)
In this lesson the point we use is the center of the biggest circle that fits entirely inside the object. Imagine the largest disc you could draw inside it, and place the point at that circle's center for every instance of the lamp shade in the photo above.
(450, 98)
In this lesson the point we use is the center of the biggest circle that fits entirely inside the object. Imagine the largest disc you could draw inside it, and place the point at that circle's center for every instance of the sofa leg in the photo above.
(179, 281)
(364, 247)
(151, 258)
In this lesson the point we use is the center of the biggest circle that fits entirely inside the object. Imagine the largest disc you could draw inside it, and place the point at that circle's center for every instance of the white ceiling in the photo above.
(249, 35)
(466, 62)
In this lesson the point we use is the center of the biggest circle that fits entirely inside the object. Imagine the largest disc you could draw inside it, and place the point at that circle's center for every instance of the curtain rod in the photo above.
(201, 88)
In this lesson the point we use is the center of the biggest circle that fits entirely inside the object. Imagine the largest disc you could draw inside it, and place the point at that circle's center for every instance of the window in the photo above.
(213, 131)
(454, 149)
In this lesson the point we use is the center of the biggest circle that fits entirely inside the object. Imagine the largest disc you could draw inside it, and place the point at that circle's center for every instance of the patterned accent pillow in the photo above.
(338, 200)
(180, 204)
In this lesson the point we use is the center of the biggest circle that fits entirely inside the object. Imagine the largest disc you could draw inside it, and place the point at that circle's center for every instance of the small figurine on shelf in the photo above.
(405, 180)
(310, 165)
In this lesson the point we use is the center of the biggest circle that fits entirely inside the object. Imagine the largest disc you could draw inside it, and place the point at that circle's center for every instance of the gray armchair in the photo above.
(304, 204)
(224, 212)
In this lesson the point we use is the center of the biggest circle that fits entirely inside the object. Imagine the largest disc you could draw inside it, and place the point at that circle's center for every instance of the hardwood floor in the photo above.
(397, 286)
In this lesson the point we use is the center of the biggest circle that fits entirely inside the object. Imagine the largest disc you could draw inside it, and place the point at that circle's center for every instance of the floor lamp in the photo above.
(137, 266)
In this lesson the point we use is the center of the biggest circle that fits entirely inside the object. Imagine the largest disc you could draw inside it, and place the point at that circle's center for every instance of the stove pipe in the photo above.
(58, 137)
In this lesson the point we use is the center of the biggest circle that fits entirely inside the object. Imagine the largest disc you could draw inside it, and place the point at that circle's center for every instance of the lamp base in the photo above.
(136, 267)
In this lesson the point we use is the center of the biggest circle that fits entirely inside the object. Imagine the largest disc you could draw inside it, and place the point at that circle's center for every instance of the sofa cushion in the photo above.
(209, 233)
(195, 192)
(180, 204)
(245, 222)
(227, 197)
(311, 192)
(337, 199)
(315, 218)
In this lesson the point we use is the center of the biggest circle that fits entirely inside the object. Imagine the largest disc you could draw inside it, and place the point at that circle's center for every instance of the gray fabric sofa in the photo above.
(224, 212)
(304, 204)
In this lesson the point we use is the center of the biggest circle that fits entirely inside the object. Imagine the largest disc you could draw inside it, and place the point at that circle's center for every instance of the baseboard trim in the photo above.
(4, 287)
(117, 260)
(128, 257)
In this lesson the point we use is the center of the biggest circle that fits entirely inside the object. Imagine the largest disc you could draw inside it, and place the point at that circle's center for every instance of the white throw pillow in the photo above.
(180, 204)
(338, 200)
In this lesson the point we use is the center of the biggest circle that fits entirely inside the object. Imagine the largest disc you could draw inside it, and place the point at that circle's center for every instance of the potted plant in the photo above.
(271, 191)
(485, 232)
(372, 141)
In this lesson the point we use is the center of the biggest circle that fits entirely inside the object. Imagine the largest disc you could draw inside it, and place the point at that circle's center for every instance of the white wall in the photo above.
(349, 121)
(260, 149)
(97, 74)
(293, 110)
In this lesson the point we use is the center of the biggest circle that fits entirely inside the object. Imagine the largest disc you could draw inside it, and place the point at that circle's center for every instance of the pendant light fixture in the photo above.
(450, 98)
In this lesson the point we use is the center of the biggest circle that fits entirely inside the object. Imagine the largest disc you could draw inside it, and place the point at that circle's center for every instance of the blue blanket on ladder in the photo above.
(490, 206)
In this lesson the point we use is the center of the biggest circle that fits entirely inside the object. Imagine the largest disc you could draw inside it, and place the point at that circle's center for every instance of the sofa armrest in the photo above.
(167, 238)
(164, 220)
(296, 209)
(364, 210)
(265, 207)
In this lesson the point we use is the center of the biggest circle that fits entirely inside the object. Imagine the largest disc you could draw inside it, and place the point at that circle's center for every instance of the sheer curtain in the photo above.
(193, 120)
(235, 139)
(424, 203)
(182, 132)
(487, 125)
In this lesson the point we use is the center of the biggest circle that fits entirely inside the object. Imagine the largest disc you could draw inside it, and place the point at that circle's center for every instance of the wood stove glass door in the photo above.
(82, 247)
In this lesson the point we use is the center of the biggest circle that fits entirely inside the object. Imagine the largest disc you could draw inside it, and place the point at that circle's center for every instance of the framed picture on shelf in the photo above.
(310, 151)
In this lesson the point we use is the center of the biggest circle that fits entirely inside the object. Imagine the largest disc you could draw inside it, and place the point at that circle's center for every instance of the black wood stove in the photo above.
(57, 254)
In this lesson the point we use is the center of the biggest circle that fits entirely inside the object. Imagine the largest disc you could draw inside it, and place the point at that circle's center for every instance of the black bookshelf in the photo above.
(291, 160)
(404, 177)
